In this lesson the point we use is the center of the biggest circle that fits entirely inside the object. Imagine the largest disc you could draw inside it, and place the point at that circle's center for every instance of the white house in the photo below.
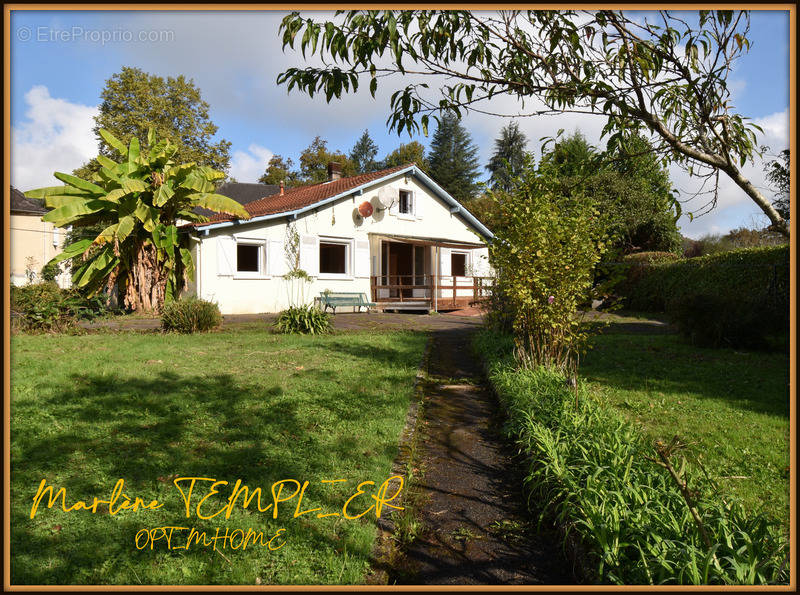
(394, 235)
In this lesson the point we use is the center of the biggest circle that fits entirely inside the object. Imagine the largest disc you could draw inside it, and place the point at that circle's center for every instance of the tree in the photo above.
(570, 157)
(664, 75)
(508, 157)
(138, 202)
(779, 176)
(280, 170)
(453, 159)
(134, 101)
(413, 152)
(314, 162)
(628, 184)
(363, 154)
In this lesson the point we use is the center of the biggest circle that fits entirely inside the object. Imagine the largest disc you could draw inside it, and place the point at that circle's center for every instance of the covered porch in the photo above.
(429, 274)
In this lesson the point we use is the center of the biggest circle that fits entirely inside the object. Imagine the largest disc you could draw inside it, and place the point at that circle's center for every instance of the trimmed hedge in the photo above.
(750, 273)
(733, 299)
(588, 471)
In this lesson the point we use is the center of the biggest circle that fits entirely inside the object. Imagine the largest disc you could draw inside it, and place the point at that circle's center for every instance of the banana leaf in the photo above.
(219, 204)
(114, 142)
(76, 182)
(74, 210)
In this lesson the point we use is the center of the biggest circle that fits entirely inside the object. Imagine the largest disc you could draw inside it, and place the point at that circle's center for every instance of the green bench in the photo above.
(334, 299)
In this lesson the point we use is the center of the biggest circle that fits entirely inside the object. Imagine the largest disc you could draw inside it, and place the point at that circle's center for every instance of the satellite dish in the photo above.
(365, 209)
(387, 196)
(357, 218)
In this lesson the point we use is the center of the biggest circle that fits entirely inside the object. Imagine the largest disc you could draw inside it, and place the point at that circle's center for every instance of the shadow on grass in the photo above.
(85, 431)
(754, 381)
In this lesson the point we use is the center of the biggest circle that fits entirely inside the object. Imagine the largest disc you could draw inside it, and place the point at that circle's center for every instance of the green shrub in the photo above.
(303, 320)
(190, 315)
(750, 272)
(50, 271)
(544, 256)
(588, 470)
(46, 307)
(735, 298)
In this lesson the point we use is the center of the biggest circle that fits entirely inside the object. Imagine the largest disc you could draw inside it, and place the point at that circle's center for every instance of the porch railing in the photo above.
(444, 290)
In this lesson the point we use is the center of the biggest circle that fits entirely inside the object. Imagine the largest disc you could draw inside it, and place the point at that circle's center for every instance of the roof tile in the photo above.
(303, 196)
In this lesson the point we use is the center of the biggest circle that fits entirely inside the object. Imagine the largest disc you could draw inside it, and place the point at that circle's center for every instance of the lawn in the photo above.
(731, 406)
(88, 410)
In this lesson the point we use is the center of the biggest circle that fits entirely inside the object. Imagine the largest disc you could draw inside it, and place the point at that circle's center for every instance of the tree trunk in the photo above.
(778, 222)
(146, 281)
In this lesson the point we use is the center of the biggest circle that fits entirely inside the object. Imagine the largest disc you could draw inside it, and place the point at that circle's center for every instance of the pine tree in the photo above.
(453, 159)
(363, 154)
(509, 153)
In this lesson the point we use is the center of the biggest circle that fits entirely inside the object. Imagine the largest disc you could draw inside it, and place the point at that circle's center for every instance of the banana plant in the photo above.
(140, 201)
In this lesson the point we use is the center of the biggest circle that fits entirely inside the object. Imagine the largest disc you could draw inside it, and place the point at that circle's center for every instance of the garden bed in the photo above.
(598, 476)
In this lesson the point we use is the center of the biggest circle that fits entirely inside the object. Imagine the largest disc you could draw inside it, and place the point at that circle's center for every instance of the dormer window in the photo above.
(406, 203)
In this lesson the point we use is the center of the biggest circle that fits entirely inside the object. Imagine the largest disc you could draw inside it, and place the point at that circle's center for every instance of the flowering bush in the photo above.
(544, 255)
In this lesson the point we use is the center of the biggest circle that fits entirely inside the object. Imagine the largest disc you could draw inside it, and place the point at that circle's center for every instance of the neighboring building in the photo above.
(33, 242)
(394, 235)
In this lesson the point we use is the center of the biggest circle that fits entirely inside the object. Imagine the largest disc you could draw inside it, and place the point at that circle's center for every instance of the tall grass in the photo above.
(593, 473)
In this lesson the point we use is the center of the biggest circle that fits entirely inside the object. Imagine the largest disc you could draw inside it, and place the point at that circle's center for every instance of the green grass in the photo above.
(90, 409)
(731, 406)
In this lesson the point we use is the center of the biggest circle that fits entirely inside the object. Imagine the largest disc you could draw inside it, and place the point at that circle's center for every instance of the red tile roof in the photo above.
(297, 198)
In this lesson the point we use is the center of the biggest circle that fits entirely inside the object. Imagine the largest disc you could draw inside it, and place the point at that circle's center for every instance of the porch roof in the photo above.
(441, 242)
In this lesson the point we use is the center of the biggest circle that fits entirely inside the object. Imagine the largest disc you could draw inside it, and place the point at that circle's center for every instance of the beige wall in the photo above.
(33, 243)
(267, 292)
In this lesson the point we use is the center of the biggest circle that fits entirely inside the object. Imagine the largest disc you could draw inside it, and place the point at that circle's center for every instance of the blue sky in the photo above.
(60, 62)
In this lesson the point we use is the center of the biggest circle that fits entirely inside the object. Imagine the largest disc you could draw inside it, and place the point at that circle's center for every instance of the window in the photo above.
(249, 258)
(406, 203)
(333, 258)
(458, 264)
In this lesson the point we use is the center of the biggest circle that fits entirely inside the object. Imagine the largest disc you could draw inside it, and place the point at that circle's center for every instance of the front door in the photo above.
(401, 262)
(404, 269)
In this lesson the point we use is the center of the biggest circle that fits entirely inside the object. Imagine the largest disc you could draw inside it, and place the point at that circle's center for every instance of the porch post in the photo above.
(436, 279)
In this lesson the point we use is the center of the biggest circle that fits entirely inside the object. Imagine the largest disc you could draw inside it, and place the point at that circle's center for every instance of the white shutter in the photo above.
(362, 260)
(444, 262)
(226, 256)
(309, 255)
(277, 258)
(417, 205)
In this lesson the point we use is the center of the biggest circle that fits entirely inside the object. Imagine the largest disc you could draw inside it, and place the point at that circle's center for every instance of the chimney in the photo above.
(334, 171)
(281, 188)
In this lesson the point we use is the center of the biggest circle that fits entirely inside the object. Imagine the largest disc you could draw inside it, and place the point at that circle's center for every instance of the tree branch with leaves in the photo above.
(661, 75)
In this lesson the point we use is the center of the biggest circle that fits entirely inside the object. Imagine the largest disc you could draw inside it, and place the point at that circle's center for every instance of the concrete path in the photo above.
(475, 528)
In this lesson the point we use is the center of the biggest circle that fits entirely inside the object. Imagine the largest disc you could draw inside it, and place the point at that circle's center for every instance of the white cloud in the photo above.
(56, 135)
(247, 166)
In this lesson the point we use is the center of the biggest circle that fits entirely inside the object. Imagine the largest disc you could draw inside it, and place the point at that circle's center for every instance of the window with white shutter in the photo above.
(277, 259)
(226, 256)
(362, 258)
(309, 255)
